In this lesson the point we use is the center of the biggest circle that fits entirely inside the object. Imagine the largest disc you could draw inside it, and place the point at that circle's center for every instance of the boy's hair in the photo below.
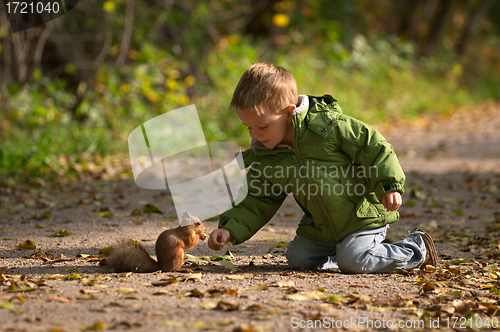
(265, 88)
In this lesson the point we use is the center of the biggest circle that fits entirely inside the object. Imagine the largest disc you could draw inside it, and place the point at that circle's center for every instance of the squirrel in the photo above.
(170, 245)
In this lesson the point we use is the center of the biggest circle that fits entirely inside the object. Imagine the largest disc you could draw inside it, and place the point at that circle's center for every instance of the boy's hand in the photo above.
(219, 238)
(392, 200)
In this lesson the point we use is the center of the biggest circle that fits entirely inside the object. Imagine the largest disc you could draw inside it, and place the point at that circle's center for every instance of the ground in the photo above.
(452, 191)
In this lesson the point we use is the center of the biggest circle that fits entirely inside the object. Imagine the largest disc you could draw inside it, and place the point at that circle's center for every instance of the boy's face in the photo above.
(269, 129)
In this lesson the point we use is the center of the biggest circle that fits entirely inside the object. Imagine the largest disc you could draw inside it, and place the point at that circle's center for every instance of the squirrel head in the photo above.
(198, 227)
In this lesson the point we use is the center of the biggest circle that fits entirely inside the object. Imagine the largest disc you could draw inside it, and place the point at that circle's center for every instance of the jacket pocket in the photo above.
(322, 123)
(365, 209)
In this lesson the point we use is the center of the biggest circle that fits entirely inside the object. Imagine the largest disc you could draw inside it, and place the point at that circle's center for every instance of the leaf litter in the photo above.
(462, 212)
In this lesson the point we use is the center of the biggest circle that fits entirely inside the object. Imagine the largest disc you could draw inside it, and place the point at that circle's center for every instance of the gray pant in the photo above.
(360, 252)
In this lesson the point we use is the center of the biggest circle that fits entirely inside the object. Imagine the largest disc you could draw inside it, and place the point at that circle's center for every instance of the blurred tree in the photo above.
(472, 23)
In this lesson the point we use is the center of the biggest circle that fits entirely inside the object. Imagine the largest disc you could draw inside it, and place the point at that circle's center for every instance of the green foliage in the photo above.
(195, 53)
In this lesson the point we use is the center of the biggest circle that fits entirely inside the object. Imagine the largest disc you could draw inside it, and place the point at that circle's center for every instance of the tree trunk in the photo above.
(127, 33)
(437, 26)
(472, 24)
(407, 27)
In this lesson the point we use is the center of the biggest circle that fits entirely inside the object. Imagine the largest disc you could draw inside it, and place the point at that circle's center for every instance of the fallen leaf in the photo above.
(165, 282)
(314, 295)
(28, 245)
(91, 291)
(375, 308)
(260, 287)
(106, 214)
(335, 298)
(455, 293)
(125, 290)
(149, 208)
(60, 234)
(6, 305)
(136, 297)
(253, 307)
(491, 267)
(96, 326)
(13, 289)
(220, 291)
(85, 297)
(60, 299)
(283, 283)
(19, 298)
(164, 292)
(207, 305)
(228, 265)
(194, 277)
(227, 306)
(236, 277)
(195, 293)
(456, 261)
(169, 323)
(194, 259)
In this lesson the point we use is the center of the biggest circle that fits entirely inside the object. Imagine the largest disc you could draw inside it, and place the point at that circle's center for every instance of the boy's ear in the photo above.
(289, 110)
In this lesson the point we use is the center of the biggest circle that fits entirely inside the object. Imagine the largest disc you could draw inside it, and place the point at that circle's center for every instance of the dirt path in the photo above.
(453, 171)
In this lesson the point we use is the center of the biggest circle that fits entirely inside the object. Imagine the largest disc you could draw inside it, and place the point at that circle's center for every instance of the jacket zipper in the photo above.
(318, 202)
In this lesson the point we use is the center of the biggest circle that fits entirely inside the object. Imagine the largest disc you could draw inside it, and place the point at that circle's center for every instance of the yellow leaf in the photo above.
(37, 74)
(170, 323)
(260, 287)
(281, 20)
(98, 325)
(125, 290)
(189, 80)
(172, 84)
(457, 69)
(207, 305)
(194, 277)
(109, 6)
(314, 295)
(29, 245)
(114, 50)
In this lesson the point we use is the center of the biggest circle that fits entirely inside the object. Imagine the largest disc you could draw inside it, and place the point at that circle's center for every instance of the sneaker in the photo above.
(430, 250)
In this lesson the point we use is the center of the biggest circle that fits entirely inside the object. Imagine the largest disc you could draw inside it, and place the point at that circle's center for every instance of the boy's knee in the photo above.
(298, 259)
(294, 259)
(350, 264)
(352, 261)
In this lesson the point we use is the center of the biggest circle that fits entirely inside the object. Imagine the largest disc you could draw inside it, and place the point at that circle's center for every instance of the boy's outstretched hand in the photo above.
(219, 238)
(392, 200)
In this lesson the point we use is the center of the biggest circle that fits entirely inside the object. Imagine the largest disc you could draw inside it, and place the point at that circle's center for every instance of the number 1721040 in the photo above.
(32, 7)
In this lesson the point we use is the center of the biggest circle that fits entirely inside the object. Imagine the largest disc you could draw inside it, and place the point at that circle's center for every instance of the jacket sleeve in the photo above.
(369, 148)
(255, 210)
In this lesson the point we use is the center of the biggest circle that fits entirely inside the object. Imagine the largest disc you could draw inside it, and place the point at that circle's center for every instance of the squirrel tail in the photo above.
(130, 258)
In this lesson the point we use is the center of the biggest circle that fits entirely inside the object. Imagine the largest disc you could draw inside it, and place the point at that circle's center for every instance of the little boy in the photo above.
(342, 173)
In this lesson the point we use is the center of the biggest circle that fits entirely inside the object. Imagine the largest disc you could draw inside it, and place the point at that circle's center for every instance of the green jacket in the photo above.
(337, 171)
